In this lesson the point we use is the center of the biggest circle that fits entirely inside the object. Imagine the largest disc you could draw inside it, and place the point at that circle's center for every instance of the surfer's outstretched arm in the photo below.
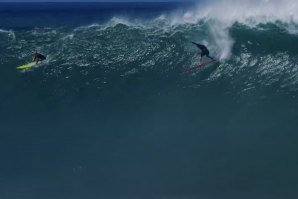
(198, 45)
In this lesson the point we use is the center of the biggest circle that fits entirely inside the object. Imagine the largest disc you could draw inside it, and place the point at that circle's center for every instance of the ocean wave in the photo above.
(253, 55)
(9, 33)
(222, 15)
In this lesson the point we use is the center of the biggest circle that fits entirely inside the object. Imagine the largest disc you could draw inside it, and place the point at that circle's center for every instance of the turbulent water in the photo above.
(110, 115)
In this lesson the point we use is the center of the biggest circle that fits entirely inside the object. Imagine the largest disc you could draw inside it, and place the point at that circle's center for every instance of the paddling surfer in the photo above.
(204, 51)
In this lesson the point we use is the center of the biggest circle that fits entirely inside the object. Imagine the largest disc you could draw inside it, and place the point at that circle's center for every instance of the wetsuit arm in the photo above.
(200, 46)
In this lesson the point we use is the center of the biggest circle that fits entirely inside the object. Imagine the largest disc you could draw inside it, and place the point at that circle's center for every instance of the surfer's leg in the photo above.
(207, 55)
(202, 55)
(210, 57)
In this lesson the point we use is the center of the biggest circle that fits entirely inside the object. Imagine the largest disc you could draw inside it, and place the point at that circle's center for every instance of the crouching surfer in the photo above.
(38, 57)
(204, 51)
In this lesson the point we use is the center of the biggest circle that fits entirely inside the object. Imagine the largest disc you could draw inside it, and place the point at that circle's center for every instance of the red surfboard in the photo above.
(196, 67)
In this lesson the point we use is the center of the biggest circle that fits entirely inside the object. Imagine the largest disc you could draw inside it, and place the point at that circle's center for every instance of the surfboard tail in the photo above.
(196, 67)
(28, 65)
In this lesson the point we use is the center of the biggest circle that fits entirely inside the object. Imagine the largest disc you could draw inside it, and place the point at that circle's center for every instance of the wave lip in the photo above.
(247, 12)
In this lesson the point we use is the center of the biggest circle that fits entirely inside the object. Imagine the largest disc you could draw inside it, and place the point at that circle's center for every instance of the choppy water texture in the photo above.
(110, 115)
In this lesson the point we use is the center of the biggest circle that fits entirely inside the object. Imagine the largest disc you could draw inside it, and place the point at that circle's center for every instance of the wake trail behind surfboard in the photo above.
(196, 67)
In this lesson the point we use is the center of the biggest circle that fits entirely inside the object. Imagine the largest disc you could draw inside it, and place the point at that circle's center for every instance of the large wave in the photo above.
(254, 41)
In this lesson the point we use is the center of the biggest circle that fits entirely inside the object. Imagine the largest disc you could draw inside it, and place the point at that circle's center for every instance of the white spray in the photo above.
(222, 14)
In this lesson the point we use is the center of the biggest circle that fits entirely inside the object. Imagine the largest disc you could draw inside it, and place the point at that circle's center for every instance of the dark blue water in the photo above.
(109, 114)
(28, 15)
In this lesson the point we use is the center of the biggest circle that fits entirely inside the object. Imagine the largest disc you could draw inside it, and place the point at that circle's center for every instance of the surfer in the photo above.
(38, 57)
(204, 51)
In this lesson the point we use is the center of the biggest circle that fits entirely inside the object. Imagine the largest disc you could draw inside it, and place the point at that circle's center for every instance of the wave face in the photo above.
(110, 109)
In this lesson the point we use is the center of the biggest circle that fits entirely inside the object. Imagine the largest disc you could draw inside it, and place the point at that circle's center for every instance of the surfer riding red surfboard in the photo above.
(204, 51)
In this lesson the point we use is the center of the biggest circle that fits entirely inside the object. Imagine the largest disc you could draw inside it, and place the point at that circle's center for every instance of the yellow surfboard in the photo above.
(26, 65)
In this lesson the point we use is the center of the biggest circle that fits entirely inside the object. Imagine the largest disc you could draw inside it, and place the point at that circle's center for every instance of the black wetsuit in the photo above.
(39, 57)
(204, 50)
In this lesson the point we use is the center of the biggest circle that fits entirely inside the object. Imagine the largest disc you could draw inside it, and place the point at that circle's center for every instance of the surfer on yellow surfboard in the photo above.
(37, 58)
